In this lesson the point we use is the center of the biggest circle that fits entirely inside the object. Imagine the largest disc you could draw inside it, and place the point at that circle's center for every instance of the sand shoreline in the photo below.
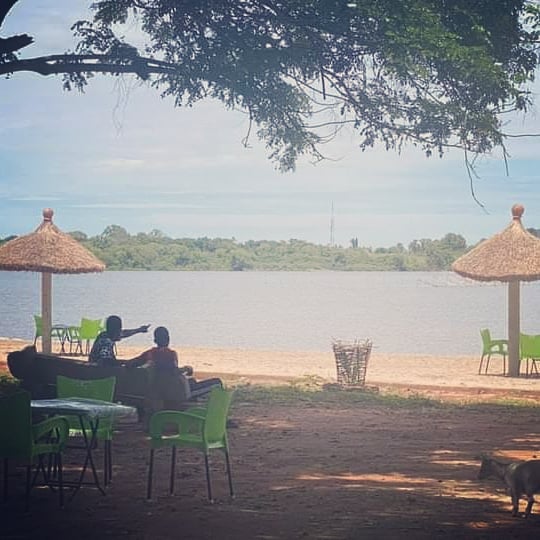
(448, 373)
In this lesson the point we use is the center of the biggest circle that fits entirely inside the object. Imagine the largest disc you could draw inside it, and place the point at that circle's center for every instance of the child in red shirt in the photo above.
(160, 357)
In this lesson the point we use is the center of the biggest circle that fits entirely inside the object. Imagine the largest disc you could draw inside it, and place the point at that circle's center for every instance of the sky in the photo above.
(119, 154)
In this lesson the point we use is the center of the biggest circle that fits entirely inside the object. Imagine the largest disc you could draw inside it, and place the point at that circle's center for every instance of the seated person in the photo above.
(162, 358)
(103, 350)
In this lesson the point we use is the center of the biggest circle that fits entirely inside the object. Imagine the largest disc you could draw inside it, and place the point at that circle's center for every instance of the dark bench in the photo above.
(144, 388)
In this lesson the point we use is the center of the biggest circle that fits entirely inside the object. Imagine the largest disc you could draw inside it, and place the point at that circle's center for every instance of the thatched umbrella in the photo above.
(511, 256)
(50, 251)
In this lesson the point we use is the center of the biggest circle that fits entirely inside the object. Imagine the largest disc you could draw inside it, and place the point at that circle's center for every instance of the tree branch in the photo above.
(14, 43)
(5, 7)
(88, 63)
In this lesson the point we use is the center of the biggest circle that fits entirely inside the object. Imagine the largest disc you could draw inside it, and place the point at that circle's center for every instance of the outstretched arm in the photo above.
(140, 360)
(128, 332)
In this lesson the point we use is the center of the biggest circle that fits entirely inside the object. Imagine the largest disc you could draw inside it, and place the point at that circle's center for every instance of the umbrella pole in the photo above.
(46, 310)
(513, 328)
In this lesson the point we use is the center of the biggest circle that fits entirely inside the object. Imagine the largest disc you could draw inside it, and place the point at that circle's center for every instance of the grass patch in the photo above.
(296, 393)
(311, 392)
(503, 405)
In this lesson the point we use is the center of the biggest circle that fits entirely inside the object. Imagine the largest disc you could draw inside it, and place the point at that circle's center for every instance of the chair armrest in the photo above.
(190, 414)
(60, 423)
(159, 420)
(499, 345)
(199, 411)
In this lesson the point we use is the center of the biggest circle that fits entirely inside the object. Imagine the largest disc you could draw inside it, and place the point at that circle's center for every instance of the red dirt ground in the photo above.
(320, 469)
(309, 470)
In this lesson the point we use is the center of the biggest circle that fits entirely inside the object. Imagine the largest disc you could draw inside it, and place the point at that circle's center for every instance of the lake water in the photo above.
(406, 312)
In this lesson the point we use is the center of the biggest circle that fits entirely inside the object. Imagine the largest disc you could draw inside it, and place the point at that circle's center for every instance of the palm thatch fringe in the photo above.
(50, 250)
(511, 255)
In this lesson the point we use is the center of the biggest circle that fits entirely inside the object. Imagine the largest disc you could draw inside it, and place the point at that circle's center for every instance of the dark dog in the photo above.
(521, 478)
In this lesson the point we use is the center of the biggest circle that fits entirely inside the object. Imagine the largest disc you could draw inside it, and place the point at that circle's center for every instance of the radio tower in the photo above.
(332, 226)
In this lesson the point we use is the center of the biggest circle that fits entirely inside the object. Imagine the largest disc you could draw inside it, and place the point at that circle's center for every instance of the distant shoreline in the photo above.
(120, 250)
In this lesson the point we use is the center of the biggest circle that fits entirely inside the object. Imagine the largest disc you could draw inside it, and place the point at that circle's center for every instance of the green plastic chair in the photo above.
(88, 331)
(492, 347)
(38, 321)
(204, 429)
(529, 350)
(59, 332)
(102, 389)
(22, 441)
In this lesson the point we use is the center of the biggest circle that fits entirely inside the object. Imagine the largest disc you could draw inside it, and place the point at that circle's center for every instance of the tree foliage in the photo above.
(120, 250)
(435, 73)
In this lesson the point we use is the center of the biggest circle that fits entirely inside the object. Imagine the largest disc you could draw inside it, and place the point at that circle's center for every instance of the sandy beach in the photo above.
(436, 375)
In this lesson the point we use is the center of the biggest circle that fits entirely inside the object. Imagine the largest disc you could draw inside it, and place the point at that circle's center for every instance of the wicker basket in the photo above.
(351, 361)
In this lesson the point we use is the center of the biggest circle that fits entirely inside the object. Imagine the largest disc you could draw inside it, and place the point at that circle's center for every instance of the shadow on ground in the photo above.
(308, 469)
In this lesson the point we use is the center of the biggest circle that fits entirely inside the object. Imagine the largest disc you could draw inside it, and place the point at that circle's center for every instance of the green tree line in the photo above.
(120, 250)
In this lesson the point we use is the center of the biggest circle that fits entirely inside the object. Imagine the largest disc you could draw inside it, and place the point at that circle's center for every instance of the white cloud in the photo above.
(120, 164)
(138, 206)
(97, 157)
(36, 198)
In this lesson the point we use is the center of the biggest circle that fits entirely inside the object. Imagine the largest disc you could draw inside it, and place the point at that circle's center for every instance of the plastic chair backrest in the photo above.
(38, 321)
(216, 414)
(529, 346)
(90, 328)
(102, 389)
(93, 388)
(486, 339)
(16, 426)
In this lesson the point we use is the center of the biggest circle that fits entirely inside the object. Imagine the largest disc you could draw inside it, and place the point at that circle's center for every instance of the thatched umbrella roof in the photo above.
(50, 251)
(511, 256)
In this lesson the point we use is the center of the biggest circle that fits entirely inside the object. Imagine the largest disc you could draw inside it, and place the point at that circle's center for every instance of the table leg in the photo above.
(60, 332)
(73, 336)
(89, 443)
(63, 341)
